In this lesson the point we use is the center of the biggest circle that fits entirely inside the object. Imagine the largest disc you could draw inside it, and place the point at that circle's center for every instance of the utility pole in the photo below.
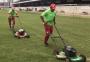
(8, 2)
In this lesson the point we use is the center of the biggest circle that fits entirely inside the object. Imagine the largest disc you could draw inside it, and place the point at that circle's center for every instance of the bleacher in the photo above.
(80, 8)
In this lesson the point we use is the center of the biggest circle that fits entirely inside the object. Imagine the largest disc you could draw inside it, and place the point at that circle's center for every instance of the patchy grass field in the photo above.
(75, 31)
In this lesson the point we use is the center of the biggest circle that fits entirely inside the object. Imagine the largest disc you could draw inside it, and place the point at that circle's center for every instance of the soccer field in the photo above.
(75, 31)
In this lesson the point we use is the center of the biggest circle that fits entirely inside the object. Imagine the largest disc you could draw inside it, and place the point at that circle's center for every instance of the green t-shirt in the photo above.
(49, 16)
(12, 12)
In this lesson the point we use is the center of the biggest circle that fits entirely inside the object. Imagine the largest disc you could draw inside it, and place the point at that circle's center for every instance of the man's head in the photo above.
(13, 8)
(52, 6)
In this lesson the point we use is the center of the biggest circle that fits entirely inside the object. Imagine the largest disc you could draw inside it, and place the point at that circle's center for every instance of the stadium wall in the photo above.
(64, 10)
(73, 10)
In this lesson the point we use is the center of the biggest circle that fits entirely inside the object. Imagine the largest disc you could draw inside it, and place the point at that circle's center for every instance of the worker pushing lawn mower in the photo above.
(12, 17)
(68, 53)
(48, 19)
(20, 33)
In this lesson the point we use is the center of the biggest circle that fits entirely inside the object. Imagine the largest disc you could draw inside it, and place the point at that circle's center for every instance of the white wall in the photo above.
(73, 9)
(67, 9)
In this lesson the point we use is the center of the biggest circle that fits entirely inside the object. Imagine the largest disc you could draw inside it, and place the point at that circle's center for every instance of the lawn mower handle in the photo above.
(60, 36)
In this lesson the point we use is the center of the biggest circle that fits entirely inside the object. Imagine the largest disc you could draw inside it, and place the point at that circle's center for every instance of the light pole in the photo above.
(10, 2)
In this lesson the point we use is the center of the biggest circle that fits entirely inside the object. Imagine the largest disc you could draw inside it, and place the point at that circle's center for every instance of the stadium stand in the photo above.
(74, 7)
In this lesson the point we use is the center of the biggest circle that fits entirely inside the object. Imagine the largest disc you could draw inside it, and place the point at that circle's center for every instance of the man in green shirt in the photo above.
(48, 19)
(11, 19)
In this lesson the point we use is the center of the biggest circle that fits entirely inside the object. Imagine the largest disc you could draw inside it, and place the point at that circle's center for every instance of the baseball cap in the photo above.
(53, 6)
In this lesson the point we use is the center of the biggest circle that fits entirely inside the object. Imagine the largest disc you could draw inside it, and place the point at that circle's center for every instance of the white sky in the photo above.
(6, 0)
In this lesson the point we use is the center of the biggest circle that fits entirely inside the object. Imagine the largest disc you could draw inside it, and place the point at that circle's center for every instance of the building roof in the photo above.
(25, 1)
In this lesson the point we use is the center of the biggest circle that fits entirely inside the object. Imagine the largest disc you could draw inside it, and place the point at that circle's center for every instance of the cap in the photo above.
(53, 6)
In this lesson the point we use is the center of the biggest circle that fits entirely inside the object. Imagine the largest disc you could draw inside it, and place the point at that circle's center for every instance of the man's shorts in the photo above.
(48, 28)
(11, 18)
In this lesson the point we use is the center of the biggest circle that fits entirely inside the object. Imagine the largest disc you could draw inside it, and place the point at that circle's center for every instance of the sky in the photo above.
(6, 0)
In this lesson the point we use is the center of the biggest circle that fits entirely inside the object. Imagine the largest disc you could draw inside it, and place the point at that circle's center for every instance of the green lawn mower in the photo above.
(68, 53)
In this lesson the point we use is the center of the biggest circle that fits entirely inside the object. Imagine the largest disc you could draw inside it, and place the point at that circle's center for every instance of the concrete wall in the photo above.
(66, 10)
(73, 9)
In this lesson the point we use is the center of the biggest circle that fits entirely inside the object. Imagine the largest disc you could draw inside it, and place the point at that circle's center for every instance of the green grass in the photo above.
(75, 31)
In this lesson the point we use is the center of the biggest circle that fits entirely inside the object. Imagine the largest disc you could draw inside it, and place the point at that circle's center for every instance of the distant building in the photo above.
(4, 4)
(26, 3)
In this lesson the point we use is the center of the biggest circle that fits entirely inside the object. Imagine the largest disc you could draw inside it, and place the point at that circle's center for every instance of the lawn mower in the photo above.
(68, 53)
(21, 32)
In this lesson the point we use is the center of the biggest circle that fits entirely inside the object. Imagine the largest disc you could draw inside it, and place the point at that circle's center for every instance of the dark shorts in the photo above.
(11, 18)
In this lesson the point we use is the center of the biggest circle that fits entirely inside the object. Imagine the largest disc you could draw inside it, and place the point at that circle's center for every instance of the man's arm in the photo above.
(42, 18)
(9, 12)
(16, 14)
